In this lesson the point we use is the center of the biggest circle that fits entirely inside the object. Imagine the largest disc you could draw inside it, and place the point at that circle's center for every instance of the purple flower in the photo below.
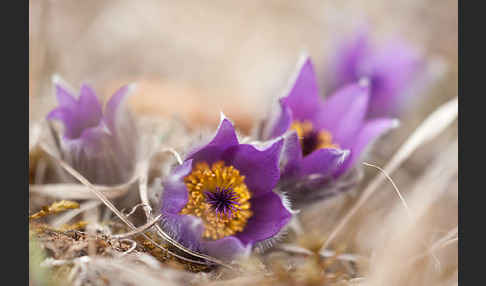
(322, 138)
(392, 69)
(220, 201)
(98, 144)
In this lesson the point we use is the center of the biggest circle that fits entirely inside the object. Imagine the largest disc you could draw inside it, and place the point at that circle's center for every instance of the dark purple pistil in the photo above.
(309, 142)
(223, 201)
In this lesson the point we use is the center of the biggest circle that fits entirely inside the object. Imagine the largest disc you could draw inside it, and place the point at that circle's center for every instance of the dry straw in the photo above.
(432, 126)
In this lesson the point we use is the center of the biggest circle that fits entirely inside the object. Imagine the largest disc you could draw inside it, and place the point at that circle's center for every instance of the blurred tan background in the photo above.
(193, 59)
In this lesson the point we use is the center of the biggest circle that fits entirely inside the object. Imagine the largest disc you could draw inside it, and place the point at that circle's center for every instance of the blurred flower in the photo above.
(392, 69)
(322, 138)
(100, 145)
(220, 200)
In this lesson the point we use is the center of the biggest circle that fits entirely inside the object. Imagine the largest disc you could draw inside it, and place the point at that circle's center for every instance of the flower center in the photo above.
(311, 139)
(219, 196)
(223, 201)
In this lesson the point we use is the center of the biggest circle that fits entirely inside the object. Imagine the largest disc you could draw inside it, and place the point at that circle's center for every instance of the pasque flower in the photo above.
(100, 144)
(323, 138)
(393, 69)
(220, 201)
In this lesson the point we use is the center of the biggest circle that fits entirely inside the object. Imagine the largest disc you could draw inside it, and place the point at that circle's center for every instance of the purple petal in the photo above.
(322, 162)
(60, 113)
(188, 230)
(185, 229)
(394, 70)
(64, 97)
(260, 167)
(369, 132)
(291, 155)
(269, 217)
(282, 121)
(113, 106)
(225, 137)
(93, 139)
(74, 125)
(89, 107)
(225, 248)
(342, 114)
(174, 196)
(119, 121)
(303, 99)
(346, 67)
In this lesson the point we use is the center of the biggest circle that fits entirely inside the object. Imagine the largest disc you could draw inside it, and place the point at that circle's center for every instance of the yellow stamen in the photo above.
(302, 128)
(323, 138)
(204, 178)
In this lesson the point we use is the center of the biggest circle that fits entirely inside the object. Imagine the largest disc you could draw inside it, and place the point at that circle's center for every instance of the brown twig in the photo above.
(138, 230)
(120, 215)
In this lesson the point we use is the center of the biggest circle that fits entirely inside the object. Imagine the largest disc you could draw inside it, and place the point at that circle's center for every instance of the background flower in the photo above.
(318, 133)
(101, 145)
(392, 69)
